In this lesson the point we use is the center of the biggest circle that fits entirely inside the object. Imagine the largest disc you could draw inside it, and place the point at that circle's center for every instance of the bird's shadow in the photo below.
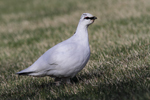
(74, 80)
(85, 76)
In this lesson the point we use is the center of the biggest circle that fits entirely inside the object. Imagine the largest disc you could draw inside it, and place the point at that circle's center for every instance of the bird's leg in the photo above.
(66, 80)
(57, 81)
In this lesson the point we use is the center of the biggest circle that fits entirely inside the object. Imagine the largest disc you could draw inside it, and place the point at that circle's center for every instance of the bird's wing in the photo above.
(60, 53)
(59, 57)
(56, 56)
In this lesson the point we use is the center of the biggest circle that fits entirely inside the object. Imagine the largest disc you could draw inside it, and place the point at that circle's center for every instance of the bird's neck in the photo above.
(82, 32)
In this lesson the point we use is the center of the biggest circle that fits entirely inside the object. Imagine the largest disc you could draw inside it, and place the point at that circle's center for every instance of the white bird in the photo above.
(66, 59)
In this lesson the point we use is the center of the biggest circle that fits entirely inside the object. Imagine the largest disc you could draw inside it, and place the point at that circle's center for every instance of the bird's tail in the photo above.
(24, 73)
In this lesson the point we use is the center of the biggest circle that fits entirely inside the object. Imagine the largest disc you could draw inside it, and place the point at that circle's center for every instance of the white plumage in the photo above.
(66, 59)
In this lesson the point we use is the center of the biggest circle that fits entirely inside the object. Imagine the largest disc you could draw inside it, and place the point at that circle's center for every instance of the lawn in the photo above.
(119, 66)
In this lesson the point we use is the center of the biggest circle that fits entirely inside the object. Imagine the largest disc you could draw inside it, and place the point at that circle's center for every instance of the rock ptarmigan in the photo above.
(66, 59)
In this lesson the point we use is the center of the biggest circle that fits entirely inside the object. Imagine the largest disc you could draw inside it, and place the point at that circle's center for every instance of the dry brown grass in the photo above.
(119, 40)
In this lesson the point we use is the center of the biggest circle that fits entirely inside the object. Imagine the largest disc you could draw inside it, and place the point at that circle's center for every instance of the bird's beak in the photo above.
(94, 17)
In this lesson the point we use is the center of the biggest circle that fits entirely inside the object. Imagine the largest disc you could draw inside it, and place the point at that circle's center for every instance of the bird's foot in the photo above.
(66, 80)
(57, 81)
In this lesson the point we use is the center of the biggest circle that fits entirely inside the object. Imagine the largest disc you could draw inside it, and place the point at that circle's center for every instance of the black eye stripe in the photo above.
(90, 17)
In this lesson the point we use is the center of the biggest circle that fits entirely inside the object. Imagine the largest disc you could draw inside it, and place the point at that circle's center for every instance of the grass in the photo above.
(119, 66)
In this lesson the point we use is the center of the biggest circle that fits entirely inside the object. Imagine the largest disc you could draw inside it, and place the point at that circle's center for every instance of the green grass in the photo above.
(119, 66)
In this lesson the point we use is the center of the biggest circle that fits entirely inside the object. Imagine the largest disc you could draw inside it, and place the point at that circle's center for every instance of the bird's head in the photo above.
(87, 19)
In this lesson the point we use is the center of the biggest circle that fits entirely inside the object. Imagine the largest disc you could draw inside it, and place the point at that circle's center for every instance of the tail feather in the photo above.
(24, 73)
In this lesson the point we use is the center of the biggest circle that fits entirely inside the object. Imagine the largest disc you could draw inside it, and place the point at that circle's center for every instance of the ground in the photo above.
(119, 66)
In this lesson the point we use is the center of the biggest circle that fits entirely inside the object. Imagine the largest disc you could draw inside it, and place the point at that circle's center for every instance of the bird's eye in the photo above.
(86, 17)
